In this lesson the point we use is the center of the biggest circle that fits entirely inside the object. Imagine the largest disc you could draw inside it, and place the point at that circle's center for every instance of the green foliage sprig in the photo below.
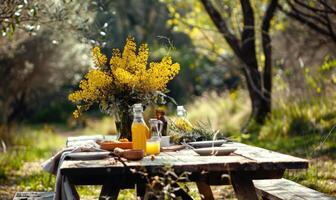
(200, 131)
(164, 184)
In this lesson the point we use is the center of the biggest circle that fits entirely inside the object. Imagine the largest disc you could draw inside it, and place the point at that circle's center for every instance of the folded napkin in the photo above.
(79, 140)
(63, 189)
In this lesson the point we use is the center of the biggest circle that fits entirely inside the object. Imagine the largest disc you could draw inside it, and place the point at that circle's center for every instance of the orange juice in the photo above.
(153, 147)
(139, 135)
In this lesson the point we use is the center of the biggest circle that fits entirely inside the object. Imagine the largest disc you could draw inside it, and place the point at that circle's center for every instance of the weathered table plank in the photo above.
(262, 155)
(244, 159)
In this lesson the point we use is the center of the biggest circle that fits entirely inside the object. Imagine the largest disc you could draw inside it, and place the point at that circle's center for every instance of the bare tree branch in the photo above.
(267, 48)
(316, 17)
(313, 9)
(222, 26)
(248, 47)
(327, 6)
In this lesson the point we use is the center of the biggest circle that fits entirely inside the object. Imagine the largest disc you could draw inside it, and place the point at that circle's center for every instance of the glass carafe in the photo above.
(153, 144)
(181, 121)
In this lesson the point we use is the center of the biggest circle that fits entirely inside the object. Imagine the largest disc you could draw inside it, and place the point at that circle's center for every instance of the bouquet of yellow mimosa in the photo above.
(123, 80)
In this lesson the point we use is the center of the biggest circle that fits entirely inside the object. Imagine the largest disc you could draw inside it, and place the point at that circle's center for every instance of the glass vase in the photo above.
(123, 121)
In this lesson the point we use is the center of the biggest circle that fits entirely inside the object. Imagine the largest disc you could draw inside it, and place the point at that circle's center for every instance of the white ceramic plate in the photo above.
(202, 144)
(215, 151)
(88, 155)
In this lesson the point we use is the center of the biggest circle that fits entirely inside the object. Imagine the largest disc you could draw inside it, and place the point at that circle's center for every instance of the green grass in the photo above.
(31, 144)
(20, 165)
(36, 181)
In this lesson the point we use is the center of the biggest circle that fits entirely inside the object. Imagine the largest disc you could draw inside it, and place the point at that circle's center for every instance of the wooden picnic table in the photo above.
(247, 163)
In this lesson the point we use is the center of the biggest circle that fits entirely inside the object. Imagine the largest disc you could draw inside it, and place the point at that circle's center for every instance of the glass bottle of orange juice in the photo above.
(140, 131)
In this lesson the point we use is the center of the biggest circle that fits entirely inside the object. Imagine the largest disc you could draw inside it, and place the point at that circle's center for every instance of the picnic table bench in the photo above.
(246, 164)
(283, 189)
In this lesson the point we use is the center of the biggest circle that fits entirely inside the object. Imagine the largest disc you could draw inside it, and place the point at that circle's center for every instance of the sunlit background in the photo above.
(45, 50)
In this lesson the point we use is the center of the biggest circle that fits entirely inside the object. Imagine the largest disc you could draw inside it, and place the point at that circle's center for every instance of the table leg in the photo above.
(181, 193)
(141, 190)
(74, 191)
(205, 191)
(109, 191)
(243, 186)
(68, 191)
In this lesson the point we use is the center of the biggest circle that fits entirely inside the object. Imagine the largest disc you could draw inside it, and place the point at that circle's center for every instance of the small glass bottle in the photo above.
(140, 131)
(160, 115)
(181, 121)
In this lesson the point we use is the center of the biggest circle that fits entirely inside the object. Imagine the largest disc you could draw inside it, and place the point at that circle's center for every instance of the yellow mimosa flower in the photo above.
(98, 58)
(127, 72)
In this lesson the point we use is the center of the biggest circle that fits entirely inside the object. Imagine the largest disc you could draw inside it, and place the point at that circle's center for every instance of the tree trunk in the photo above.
(259, 88)
(260, 104)
(260, 108)
(259, 83)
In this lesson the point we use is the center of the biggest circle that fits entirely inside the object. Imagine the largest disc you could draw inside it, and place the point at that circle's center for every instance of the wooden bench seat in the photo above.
(283, 189)
(34, 196)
